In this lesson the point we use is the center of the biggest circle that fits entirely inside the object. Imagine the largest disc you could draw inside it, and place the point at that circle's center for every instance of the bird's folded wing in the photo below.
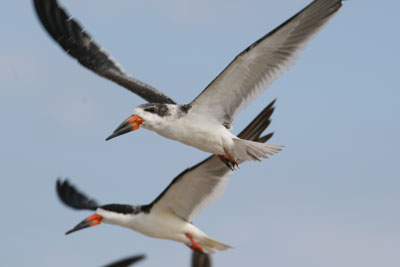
(197, 187)
(253, 70)
(79, 44)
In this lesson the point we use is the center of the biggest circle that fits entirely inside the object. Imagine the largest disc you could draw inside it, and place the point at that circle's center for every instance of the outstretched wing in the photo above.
(254, 70)
(71, 197)
(197, 187)
(67, 32)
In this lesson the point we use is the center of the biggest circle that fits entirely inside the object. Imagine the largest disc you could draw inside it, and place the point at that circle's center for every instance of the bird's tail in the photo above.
(250, 150)
(210, 245)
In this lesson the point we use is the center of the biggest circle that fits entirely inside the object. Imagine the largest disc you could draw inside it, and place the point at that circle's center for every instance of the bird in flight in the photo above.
(206, 121)
(75, 199)
(170, 215)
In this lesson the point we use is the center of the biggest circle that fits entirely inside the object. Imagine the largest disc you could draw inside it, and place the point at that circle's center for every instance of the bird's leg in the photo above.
(229, 161)
(194, 245)
(226, 162)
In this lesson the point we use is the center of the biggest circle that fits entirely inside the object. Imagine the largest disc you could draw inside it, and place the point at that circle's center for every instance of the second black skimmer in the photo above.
(205, 122)
(170, 215)
(75, 199)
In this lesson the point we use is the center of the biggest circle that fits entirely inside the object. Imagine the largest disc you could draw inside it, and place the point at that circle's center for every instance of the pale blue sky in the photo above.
(331, 198)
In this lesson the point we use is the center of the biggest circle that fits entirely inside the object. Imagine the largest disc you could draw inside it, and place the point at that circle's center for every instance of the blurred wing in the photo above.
(200, 259)
(127, 261)
(71, 197)
(254, 70)
(197, 187)
(79, 44)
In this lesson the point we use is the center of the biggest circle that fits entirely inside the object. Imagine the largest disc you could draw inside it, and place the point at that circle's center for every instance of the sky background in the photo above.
(330, 198)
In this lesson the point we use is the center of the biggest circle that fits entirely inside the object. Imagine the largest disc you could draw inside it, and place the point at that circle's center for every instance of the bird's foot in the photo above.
(229, 161)
(194, 245)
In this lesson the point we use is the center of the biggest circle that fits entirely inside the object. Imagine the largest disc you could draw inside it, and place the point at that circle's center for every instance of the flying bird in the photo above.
(206, 121)
(170, 215)
(75, 199)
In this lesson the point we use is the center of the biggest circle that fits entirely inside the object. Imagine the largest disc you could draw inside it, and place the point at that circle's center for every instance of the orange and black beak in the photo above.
(130, 124)
(93, 220)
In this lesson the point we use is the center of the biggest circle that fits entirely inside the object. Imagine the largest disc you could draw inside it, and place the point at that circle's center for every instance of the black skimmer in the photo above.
(170, 215)
(205, 122)
(75, 199)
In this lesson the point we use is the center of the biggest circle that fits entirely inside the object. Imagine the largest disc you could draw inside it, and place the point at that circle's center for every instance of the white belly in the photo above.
(198, 132)
(164, 225)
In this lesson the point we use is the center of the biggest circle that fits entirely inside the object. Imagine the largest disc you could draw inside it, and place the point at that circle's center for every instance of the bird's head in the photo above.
(152, 116)
(112, 214)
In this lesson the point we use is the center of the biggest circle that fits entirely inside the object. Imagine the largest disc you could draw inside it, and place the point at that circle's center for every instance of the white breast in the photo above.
(159, 225)
(200, 132)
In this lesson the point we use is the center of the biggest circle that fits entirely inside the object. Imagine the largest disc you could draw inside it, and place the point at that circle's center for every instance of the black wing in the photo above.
(79, 44)
(127, 261)
(71, 197)
(200, 259)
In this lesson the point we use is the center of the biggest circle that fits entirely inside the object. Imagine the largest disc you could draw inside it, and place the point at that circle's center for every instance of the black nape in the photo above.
(120, 208)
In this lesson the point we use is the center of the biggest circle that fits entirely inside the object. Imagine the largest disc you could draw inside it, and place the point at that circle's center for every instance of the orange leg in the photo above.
(229, 161)
(194, 245)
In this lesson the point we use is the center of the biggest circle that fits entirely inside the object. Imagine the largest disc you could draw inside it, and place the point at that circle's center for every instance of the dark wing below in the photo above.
(73, 198)
(67, 32)
(197, 187)
(127, 261)
(200, 259)
(258, 125)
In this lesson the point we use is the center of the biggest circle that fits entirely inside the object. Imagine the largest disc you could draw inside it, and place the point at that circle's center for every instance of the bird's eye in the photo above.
(150, 109)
